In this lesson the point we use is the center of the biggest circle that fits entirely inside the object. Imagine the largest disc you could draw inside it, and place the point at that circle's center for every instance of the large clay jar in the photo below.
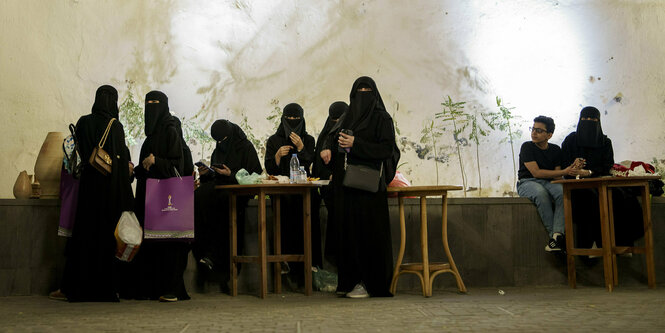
(22, 187)
(48, 165)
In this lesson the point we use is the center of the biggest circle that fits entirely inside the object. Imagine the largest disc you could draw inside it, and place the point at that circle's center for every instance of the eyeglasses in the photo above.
(537, 130)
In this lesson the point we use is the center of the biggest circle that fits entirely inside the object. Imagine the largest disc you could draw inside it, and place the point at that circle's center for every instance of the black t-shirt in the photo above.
(547, 159)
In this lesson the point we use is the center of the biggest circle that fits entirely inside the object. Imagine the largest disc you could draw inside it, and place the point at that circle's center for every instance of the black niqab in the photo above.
(362, 104)
(589, 132)
(292, 125)
(156, 114)
(106, 102)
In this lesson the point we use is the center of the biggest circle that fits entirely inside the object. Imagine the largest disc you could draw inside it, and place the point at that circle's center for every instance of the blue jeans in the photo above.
(548, 198)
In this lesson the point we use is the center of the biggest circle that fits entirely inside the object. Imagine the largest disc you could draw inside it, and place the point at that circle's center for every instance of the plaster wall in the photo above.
(242, 59)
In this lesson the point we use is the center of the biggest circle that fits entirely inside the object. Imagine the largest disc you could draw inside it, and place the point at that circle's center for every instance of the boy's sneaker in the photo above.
(358, 292)
(555, 244)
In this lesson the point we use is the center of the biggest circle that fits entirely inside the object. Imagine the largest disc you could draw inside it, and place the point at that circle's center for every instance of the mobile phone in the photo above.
(347, 132)
(201, 164)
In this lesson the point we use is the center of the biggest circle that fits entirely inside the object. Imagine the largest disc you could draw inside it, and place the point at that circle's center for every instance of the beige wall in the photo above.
(229, 59)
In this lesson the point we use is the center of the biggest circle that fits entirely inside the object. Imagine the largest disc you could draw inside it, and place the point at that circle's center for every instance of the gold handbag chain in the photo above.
(102, 141)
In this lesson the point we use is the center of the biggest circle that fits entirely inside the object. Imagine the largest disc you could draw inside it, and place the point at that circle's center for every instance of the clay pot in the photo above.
(22, 186)
(48, 165)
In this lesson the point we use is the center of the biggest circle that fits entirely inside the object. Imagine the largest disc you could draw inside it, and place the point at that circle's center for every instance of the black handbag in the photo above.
(362, 177)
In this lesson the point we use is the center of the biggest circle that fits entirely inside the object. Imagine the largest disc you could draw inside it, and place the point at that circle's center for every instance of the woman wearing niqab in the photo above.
(89, 273)
(590, 144)
(322, 171)
(292, 138)
(162, 263)
(233, 151)
(365, 260)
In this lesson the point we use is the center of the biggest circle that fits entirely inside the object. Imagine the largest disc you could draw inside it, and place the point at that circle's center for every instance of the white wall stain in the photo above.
(228, 59)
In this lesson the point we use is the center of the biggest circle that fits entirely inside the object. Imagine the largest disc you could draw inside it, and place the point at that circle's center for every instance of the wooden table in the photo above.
(275, 191)
(609, 249)
(425, 270)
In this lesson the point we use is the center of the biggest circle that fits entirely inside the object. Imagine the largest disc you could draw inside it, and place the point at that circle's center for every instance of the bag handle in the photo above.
(346, 164)
(102, 141)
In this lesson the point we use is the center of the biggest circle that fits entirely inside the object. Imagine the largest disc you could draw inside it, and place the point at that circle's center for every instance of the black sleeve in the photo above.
(526, 153)
(607, 161)
(164, 165)
(568, 151)
(271, 148)
(378, 148)
(306, 155)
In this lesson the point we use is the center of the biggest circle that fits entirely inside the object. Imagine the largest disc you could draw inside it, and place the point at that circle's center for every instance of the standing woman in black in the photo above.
(322, 171)
(161, 263)
(292, 138)
(89, 273)
(365, 261)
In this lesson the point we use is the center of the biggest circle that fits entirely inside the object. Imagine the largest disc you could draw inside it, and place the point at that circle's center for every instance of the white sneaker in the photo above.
(593, 246)
(358, 292)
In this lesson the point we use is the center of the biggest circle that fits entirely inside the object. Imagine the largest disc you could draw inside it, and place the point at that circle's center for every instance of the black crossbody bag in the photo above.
(362, 177)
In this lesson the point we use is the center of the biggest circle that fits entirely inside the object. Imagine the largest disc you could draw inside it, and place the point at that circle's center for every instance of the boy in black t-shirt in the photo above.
(540, 162)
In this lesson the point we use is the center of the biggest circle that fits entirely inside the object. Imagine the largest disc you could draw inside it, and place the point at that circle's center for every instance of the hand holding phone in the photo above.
(206, 168)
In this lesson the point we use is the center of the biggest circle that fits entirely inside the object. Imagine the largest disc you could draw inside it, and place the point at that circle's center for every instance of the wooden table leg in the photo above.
(648, 236)
(402, 245)
(570, 237)
(444, 229)
(307, 236)
(262, 244)
(277, 242)
(605, 233)
(610, 214)
(423, 244)
(233, 243)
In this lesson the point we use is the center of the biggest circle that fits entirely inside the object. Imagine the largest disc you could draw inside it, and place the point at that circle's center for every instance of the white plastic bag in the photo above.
(128, 236)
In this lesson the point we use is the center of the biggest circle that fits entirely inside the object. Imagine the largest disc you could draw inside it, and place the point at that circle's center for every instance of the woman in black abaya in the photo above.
(89, 273)
(211, 211)
(292, 138)
(365, 261)
(161, 263)
(590, 144)
(322, 171)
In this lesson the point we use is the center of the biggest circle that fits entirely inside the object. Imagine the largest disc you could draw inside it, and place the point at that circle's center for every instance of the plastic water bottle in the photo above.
(295, 169)
(302, 175)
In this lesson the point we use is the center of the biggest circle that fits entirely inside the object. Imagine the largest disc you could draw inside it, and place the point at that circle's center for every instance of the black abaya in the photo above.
(89, 273)
(291, 205)
(365, 243)
(596, 149)
(211, 206)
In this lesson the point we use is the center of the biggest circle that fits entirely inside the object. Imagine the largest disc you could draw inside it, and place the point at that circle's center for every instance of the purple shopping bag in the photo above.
(169, 208)
(69, 193)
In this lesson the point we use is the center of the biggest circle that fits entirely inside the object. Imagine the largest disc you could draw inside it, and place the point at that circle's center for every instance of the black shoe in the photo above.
(554, 244)
(207, 264)
(168, 298)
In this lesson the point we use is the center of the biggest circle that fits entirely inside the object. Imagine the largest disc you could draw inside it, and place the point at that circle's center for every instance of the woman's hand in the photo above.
(148, 162)
(345, 140)
(282, 151)
(297, 141)
(202, 170)
(326, 154)
(131, 168)
(224, 170)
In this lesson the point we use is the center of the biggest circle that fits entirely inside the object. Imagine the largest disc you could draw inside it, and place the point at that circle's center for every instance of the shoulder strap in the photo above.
(102, 141)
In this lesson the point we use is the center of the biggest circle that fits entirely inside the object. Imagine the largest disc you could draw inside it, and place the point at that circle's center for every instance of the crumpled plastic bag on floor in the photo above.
(324, 280)
(244, 178)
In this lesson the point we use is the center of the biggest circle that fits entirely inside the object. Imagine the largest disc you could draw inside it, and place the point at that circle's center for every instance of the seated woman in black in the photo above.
(211, 207)
(595, 149)
(292, 138)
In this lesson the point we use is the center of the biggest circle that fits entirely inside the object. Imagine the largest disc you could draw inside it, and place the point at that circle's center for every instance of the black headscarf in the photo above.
(589, 132)
(186, 152)
(362, 103)
(106, 102)
(292, 125)
(230, 138)
(156, 114)
(335, 111)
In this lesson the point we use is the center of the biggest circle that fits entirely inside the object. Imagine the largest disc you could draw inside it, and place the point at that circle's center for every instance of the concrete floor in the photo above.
(555, 309)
